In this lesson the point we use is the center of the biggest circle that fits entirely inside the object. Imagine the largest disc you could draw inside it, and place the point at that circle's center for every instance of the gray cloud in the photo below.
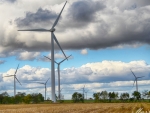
(28, 55)
(2, 62)
(107, 77)
(11, 1)
(39, 17)
(114, 28)
(106, 24)
(85, 10)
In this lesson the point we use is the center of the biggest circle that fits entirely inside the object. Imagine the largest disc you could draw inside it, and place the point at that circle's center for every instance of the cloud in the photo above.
(11, 1)
(28, 55)
(28, 73)
(84, 51)
(57, 56)
(106, 71)
(128, 5)
(84, 10)
(83, 24)
(2, 62)
(98, 76)
(37, 18)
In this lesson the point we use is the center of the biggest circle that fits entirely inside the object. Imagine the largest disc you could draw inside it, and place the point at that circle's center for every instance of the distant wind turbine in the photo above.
(83, 91)
(58, 68)
(44, 85)
(52, 51)
(86, 94)
(14, 79)
(136, 78)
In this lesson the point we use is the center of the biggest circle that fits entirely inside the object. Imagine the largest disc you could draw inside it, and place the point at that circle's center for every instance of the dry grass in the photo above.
(76, 108)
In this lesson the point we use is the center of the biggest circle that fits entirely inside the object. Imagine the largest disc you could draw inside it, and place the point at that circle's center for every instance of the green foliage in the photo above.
(112, 96)
(77, 97)
(146, 94)
(4, 98)
(96, 97)
(124, 97)
(36, 98)
(21, 98)
(137, 95)
(104, 95)
(27, 99)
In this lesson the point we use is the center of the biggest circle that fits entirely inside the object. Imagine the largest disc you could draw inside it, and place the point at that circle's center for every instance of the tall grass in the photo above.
(76, 108)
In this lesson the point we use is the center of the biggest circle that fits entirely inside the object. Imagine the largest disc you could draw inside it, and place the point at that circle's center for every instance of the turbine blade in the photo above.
(39, 82)
(47, 80)
(9, 76)
(134, 82)
(141, 77)
(58, 44)
(18, 80)
(56, 21)
(47, 57)
(16, 69)
(64, 59)
(33, 87)
(133, 73)
(39, 30)
(50, 59)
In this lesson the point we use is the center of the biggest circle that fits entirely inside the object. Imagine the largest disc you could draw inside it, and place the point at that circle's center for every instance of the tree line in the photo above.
(105, 96)
(21, 98)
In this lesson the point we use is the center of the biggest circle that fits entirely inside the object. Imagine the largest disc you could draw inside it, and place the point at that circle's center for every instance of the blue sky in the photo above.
(105, 38)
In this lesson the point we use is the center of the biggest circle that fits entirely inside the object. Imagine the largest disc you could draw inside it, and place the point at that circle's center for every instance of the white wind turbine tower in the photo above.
(15, 78)
(52, 51)
(136, 78)
(86, 94)
(44, 85)
(58, 68)
(83, 91)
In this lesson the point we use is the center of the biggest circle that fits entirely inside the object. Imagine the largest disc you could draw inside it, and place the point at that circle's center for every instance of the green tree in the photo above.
(77, 97)
(96, 96)
(124, 96)
(27, 99)
(112, 96)
(136, 95)
(146, 94)
(36, 98)
(104, 95)
(4, 98)
(19, 97)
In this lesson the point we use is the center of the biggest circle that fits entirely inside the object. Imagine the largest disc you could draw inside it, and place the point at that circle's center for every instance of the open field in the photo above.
(77, 108)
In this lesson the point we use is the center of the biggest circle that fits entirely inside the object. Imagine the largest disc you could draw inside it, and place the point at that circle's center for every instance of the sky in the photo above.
(107, 39)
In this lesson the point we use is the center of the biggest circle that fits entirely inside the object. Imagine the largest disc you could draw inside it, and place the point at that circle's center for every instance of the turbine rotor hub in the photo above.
(52, 30)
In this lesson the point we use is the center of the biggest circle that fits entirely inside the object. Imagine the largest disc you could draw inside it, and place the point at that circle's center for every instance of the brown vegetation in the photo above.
(76, 108)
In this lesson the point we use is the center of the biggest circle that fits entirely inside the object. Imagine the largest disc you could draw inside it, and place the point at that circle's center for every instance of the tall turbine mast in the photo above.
(58, 68)
(136, 78)
(44, 85)
(52, 30)
(15, 78)
(83, 91)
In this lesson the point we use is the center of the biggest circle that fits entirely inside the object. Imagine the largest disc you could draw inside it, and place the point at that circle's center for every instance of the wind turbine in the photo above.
(136, 78)
(83, 91)
(45, 85)
(86, 94)
(14, 79)
(58, 68)
(52, 51)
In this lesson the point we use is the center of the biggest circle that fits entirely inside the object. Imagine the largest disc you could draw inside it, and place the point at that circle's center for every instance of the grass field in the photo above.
(77, 108)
